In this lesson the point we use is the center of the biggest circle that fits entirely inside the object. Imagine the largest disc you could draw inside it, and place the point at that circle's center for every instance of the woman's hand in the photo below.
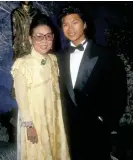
(32, 135)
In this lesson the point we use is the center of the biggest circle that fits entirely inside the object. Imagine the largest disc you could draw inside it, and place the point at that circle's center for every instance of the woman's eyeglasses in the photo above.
(39, 37)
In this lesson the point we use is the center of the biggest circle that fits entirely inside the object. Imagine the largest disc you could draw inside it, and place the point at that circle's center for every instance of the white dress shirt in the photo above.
(75, 60)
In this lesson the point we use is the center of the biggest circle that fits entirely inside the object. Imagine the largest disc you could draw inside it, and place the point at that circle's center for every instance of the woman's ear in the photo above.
(30, 40)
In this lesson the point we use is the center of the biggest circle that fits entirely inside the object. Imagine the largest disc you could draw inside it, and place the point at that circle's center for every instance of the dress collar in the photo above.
(36, 54)
(39, 56)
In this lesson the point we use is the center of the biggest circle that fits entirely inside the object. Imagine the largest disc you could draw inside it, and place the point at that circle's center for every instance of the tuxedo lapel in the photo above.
(87, 65)
(68, 78)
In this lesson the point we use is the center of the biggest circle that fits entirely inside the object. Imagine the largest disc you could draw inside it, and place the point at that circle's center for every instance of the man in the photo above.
(93, 85)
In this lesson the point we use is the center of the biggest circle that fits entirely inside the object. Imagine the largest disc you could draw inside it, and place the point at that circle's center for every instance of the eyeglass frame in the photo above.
(44, 35)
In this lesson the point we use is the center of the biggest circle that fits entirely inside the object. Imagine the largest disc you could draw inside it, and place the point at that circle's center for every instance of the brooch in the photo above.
(43, 61)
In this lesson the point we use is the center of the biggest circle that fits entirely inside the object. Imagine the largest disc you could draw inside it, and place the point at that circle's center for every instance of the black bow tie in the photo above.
(79, 47)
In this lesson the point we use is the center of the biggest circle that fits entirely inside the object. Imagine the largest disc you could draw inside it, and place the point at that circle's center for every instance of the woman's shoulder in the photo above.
(23, 67)
(22, 61)
(53, 56)
(26, 57)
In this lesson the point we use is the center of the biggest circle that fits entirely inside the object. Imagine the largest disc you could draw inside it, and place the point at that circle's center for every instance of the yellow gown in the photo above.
(38, 97)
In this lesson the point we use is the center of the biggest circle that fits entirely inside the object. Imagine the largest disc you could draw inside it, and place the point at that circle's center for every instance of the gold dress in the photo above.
(38, 97)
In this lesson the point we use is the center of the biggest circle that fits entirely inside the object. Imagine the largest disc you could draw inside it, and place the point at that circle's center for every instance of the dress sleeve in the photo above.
(21, 78)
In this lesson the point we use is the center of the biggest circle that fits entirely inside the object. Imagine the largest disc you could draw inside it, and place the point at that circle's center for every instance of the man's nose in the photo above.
(70, 28)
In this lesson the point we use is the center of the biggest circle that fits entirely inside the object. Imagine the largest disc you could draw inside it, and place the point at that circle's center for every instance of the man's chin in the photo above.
(73, 39)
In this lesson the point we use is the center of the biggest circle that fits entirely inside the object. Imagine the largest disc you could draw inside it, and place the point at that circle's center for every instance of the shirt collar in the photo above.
(71, 43)
(84, 45)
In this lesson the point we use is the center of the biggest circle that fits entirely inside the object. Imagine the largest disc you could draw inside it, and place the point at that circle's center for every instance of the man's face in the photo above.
(73, 28)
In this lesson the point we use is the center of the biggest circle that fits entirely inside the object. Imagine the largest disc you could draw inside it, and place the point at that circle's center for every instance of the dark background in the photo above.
(104, 14)
(114, 28)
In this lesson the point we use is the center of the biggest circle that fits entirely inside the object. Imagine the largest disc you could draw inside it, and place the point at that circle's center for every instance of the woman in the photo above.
(41, 133)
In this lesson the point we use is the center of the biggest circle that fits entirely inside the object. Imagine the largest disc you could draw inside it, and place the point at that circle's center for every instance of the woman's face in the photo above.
(42, 39)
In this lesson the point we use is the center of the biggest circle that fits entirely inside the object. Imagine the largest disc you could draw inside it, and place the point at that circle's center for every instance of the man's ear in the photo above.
(53, 36)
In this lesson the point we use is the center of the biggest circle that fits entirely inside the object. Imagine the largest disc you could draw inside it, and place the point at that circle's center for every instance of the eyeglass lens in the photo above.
(40, 37)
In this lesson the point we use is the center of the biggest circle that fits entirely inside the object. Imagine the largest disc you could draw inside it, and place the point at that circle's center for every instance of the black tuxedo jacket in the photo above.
(96, 103)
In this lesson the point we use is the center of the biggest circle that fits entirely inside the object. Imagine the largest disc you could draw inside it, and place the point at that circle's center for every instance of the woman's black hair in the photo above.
(42, 19)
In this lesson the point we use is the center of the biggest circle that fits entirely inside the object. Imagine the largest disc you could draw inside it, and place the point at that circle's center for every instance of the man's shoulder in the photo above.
(106, 54)
(102, 50)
